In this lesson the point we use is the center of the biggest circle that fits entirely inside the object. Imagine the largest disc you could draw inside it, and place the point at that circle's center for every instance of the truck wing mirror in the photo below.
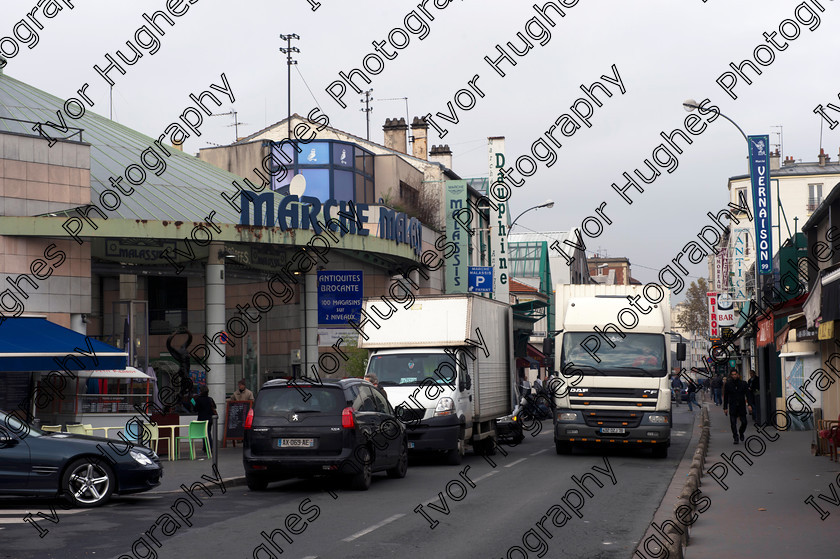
(548, 346)
(465, 383)
(681, 351)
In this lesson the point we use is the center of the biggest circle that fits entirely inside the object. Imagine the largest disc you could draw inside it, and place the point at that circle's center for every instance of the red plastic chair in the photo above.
(832, 435)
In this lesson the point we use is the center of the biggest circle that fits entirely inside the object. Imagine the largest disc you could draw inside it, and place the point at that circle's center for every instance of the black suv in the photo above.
(344, 427)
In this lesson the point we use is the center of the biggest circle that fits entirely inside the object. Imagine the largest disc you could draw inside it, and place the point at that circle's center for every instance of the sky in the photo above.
(663, 53)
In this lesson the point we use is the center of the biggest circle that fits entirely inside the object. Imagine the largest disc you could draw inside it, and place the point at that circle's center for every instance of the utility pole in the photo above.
(367, 109)
(288, 50)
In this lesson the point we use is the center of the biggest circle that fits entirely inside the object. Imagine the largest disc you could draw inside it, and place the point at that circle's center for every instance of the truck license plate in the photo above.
(612, 430)
(296, 443)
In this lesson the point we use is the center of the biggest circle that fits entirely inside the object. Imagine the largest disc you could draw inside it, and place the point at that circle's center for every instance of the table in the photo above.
(171, 449)
(106, 429)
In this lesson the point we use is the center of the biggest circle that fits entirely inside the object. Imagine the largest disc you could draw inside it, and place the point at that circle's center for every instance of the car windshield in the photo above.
(281, 401)
(412, 368)
(13, 425)
(633, 355)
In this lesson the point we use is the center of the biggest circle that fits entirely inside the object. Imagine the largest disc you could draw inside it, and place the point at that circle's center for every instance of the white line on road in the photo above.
(485, 476)
(539, 452)
(515, 463)
(372, 528)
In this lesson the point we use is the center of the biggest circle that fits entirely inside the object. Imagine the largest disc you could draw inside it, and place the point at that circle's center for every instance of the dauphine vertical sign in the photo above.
(499, 193)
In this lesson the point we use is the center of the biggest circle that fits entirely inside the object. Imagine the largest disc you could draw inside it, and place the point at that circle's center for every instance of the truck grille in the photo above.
(612, 418)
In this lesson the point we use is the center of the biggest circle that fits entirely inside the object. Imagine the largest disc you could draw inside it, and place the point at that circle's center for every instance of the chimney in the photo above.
(774, 160)
(822, 157)
(788, 160)
(441, 154)
(421, 130)
(179, 147)
(395, 134)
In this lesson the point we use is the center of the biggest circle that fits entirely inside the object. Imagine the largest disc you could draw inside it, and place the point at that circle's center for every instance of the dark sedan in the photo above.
(86, 470)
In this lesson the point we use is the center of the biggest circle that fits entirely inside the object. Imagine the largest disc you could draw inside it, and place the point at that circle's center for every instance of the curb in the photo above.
(227, 482)
(674, 539)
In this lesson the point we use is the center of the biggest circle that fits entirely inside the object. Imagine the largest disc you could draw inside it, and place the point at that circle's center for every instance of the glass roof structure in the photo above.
(187, 190)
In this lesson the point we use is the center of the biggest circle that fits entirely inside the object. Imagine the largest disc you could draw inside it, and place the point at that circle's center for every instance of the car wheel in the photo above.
(454, 456)
(256, 483)
(88, 482)
(361, 481)
(563, 447)
(400, 469)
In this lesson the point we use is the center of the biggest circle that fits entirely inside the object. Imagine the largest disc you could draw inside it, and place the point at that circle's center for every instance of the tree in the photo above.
(357, 359)
(695, 314)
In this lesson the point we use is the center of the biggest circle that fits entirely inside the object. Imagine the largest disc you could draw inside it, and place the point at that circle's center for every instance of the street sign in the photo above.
(480, 279)
(339, 296)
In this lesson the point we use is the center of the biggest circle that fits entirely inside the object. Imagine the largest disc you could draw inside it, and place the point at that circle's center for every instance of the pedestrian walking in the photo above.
(717, 386)
(752, 384)
(692, 391)
(737, 401)
(676, 387)
(205, 407)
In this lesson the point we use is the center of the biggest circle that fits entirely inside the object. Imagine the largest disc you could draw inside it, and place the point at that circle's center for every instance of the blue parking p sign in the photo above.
(480, 279)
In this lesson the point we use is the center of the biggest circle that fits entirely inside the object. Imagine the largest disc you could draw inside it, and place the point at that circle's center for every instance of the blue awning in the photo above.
(35, 344)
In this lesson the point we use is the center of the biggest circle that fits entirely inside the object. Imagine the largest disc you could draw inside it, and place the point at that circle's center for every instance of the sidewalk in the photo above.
(187, 472)
(763, 513)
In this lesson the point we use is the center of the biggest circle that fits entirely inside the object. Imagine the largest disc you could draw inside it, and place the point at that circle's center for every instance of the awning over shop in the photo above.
(745, 311)
(35, 344)
(765, 332)
(830, 307)
(811, 307)
(797, 353)
(129, 372)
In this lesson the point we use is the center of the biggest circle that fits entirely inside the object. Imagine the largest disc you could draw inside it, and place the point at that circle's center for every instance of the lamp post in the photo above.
(547, 204)
(689, 105)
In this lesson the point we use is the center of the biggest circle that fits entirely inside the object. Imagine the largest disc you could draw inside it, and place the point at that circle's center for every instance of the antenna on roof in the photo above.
(407, 120)
(781, 144)
(235, 124)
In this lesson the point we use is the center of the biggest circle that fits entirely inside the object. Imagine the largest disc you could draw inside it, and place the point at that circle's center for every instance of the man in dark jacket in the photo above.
(717, 385)
(752, 384)
(737, 399)
(205, 408)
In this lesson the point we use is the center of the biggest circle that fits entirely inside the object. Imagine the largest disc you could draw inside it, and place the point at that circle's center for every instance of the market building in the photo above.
(261, 251)
(126, 239)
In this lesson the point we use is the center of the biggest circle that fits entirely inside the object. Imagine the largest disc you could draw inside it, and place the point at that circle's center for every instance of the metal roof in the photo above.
(188, 190)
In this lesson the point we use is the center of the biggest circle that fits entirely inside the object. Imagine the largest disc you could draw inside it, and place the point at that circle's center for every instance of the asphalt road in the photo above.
(587, 505)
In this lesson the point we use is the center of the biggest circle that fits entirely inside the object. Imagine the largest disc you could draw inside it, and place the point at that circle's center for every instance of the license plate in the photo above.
(296, 443)
(613, 430)
(410, 444)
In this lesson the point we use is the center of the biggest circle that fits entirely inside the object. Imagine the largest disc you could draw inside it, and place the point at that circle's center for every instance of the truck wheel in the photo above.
(660, 451)
(454, 456)
(563, 447)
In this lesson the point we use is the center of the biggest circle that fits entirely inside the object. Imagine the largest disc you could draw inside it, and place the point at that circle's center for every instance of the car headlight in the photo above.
(566, 416)
(445, 406)
(657, 418)
(141, 458)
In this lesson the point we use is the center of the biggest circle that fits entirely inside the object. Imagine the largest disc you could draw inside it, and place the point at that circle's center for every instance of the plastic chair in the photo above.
(832, 435)
(197, 432)
(80, 429)
(51, 428)
(151, 433)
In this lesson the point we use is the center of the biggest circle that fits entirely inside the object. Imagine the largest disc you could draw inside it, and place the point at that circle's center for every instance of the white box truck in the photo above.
(446, 364)
(613, 355)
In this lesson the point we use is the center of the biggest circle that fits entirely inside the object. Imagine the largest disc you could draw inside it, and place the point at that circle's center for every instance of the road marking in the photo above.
(679, 433)
(372, 528)
(515, 463)
(485, 476)
(539, 452)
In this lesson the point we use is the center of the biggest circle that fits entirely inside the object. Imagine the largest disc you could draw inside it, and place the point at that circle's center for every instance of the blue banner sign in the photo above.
(480, 279)
(339, 296)
(760, 179)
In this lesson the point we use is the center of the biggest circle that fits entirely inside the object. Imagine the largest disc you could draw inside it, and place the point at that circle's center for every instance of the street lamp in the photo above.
(547, 204)
(689, 105)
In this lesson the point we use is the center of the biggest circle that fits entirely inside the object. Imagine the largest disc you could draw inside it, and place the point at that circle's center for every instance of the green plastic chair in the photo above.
(197, 432)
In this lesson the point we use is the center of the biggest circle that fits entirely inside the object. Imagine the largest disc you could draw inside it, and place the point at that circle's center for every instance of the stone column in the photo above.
(214, 322)
(310, 344)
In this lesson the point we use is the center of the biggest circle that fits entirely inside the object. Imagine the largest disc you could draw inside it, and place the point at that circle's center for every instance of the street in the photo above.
(528, 500)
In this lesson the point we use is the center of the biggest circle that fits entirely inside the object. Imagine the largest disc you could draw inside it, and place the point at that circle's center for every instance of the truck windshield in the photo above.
(633, 355)
(413, 368)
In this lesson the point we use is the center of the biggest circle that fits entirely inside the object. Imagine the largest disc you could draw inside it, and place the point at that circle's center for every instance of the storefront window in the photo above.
(167, 304)
(315, 153)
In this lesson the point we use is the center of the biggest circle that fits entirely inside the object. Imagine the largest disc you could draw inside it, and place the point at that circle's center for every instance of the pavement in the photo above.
(187, 472)
(756, 495)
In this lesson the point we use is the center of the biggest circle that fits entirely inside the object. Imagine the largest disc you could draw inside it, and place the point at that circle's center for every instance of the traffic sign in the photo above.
(480, 279)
